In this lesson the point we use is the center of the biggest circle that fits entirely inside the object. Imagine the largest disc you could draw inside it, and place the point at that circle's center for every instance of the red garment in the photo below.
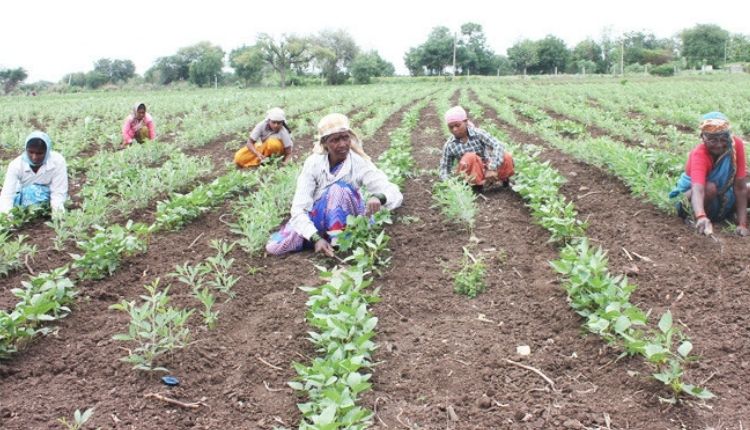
(472, 166)
(700, 164)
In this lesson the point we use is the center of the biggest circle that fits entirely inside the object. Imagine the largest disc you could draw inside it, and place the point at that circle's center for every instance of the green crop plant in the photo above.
(456, 201)
(194, 276)
(155, 327)
(79, 419)
(658, 350)
(366, 240)
(219, 266)
(13, 253)
(210, 316)
(469, 281)
(43, 298)
(103, 251)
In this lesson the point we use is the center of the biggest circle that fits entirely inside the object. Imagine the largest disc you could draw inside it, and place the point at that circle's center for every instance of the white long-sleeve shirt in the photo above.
(316, 177)
(54, 173)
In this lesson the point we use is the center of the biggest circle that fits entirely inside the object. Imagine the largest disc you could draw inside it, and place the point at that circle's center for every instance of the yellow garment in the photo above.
(142, 134)
(245, 158)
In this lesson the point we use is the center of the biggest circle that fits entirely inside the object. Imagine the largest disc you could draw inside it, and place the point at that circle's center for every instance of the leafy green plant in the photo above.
(469, 281)
(79, 419)
(103, 251)
(365, 238)
(659, 351)
(210, 316)
(219, 266)
(13, 253)
(43, 298)
(456, 201)
(194, 276)
(155, 327)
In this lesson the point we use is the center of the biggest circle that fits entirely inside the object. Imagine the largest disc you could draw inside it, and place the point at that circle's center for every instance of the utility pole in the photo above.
(455, 38)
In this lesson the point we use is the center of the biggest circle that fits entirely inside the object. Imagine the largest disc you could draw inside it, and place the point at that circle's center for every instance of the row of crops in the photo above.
(645, 134)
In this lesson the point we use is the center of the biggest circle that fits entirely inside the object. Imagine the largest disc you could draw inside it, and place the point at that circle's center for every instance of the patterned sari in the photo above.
(722, 174)
(328, 213)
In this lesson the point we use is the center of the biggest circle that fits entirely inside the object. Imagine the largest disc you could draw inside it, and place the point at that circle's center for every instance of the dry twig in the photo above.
(195, 240)
(28, 266)
(174, 402)
(267, 363)
(535, 370)
(273, 390)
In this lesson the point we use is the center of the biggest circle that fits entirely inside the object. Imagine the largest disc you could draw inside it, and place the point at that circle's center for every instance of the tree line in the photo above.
(333, 57)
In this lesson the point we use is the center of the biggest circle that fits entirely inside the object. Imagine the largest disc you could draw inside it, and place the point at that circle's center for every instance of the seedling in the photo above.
(469, 281)
(155, 327)
(79, 419)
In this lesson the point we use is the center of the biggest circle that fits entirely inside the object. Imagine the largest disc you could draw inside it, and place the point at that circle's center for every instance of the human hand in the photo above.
(373, 205)
(490, 177)
(742, 231)
(323, 246)
(703, 226)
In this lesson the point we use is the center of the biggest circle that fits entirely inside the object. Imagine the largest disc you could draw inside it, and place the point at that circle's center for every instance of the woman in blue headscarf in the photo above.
(714, 183)
(36, 177)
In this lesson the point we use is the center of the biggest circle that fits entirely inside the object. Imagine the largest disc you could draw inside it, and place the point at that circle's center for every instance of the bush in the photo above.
(663, 70)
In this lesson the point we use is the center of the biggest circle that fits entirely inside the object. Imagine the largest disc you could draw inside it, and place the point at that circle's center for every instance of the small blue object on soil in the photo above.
(170, 380)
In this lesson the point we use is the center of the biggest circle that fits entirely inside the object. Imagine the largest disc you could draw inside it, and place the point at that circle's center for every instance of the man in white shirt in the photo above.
(38, 176)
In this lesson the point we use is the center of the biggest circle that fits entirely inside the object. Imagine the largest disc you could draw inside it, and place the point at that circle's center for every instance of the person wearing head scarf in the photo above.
(138, 125)
(714, 183)
(329, 188)
(481, 157)
(269, 137)
(36, 177)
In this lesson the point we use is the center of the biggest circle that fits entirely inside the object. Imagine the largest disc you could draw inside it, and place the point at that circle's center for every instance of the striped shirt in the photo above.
(479, 142)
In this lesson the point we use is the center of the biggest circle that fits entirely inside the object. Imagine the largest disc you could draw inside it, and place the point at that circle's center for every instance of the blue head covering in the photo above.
(47, 141)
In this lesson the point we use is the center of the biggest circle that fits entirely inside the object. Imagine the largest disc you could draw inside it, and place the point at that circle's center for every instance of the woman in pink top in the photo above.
(138, 125)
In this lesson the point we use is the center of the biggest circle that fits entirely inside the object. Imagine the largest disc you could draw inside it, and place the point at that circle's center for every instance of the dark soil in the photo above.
(444, 361)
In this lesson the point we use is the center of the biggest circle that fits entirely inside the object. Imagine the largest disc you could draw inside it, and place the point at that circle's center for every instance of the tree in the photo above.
(167, 70)
(115, 70)
(645, 48)
(366, 66)
(413, 61)
(10, 78)
(205, 63)
(247, 63)
(200, 64)
(335, 51)
(95, 79)
(282, 55)
(704, 44)
(552, 55)
(437, 51)
(523, 55)
(475, 57)
(588, 54)
(738, 48)
(77, 79)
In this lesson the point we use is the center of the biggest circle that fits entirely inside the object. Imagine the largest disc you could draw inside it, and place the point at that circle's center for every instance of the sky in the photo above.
(51, 38)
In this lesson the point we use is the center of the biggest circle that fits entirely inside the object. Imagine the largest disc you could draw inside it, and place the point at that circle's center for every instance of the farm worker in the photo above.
(138, 125)
(329, 189)
(38, 176)
(714, 182)
(481, 157)
(271, 136)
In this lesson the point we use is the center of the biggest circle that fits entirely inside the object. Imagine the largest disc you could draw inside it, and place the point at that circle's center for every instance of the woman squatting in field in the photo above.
(38, 176)
(138, 125)
(271, 136)
(714, 182)
(329, 189)
(481, 157)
